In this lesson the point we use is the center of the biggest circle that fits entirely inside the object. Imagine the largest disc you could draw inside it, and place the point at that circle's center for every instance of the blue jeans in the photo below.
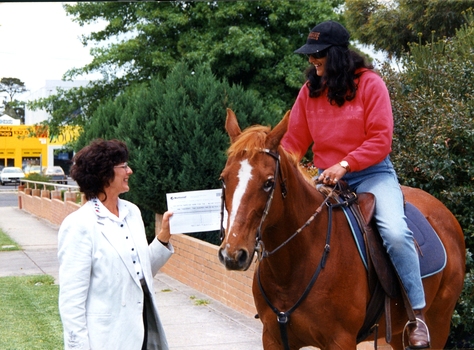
(381, 180)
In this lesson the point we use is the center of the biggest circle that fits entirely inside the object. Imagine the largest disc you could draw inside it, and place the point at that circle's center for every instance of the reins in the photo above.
(263, 253)
(283, 316)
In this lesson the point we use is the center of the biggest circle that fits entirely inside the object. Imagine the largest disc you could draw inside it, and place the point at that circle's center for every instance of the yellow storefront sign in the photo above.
(18, 148)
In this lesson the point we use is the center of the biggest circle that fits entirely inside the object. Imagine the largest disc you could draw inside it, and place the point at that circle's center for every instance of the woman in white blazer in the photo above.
(106, 267)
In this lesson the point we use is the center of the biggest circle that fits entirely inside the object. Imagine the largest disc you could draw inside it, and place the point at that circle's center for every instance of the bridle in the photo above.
(284, 316)
(259, 244)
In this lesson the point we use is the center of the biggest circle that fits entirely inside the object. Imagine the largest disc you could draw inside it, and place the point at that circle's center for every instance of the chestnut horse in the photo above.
(269, 200)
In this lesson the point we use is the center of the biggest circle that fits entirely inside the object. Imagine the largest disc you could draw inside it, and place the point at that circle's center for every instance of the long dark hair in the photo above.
(340, 77)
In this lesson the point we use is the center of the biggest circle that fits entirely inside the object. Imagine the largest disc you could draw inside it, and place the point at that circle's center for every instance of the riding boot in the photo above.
(418, 334)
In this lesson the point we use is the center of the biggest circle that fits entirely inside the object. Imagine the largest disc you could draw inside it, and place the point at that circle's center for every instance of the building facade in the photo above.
(19, 149)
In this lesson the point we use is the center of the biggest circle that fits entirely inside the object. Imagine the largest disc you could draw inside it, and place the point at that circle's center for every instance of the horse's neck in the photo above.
(303, 198)
(296, 209)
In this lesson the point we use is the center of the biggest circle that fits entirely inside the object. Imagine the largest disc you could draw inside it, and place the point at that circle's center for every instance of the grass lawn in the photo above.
(29, 316)
(6, 243)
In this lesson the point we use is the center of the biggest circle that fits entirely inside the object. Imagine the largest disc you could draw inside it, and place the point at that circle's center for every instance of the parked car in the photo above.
(34, 169)
(11, 174)
(55, 174)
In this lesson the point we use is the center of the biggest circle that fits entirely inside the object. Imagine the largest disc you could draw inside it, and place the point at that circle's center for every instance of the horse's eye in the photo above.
(268, 185)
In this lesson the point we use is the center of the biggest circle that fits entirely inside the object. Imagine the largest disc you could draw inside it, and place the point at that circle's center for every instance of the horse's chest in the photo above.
(286, 297)
(283, 296)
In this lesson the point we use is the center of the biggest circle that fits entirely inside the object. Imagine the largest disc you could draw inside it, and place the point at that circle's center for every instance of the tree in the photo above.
(13, 108)
(250, 43)
(433, 148)
(391, 25)
(174, 128)
(70, 107)
(12, 86)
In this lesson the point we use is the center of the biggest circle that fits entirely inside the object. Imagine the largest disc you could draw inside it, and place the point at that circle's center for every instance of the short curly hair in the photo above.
(93, 166)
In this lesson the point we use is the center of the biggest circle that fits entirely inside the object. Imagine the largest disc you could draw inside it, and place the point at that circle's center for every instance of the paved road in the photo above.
(8, 187)
(8, 197)
(8, 194)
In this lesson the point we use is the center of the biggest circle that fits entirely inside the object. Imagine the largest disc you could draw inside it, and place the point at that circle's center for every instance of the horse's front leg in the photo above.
(271, 339)
(342, 344)
(339, 339)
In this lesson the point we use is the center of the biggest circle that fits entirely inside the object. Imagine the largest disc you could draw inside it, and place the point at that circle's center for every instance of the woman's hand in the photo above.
(164, 235)
(331, 175)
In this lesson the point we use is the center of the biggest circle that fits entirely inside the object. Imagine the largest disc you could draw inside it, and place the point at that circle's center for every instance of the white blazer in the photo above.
(100, 296)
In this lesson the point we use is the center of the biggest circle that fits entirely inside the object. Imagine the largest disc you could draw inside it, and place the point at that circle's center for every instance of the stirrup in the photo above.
(405, 329)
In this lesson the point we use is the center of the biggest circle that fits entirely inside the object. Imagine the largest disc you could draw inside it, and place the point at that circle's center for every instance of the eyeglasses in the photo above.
(319, 54)
(125, 166)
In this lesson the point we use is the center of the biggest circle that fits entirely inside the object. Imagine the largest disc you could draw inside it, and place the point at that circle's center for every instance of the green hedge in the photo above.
(433, 149)
(175, 131)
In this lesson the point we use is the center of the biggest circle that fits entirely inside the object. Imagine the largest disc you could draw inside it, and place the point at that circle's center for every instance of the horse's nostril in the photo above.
(236, 261)
(242, 256)
(221, 256)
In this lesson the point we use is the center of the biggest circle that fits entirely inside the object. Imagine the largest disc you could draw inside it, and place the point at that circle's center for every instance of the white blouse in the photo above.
(122, 229)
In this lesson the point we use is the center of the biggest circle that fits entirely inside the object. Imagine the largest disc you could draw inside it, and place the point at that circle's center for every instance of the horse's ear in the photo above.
(275, 136)
(232, 125)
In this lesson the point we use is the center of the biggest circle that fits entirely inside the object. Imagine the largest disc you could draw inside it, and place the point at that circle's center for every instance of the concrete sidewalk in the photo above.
(188, 325)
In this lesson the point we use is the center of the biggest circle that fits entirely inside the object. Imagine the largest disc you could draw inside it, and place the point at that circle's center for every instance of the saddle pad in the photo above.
(431, 252)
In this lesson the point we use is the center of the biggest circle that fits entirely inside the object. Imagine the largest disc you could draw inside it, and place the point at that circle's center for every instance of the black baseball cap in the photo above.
(325, 35)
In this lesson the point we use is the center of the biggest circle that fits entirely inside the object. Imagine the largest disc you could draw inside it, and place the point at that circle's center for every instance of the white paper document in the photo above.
(195, 211)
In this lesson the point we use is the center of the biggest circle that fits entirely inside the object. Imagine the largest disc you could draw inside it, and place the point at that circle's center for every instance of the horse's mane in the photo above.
(252, 141)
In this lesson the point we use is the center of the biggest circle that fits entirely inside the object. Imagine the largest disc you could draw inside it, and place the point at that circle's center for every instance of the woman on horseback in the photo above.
(344, 111)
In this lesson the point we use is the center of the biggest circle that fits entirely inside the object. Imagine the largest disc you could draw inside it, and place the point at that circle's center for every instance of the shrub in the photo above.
(433, 148)
(39, 178)
(174, 129)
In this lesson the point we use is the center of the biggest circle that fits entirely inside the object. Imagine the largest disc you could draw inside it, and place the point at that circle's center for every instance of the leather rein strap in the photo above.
(283, 317)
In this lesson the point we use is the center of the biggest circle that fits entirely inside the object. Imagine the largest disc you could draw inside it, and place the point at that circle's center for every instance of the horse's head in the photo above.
(249, 179)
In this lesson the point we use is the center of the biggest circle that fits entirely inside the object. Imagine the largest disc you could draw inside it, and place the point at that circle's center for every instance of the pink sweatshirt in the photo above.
(359, 132)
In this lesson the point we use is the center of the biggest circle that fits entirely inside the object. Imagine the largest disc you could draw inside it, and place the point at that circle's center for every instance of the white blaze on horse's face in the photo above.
(244, 176)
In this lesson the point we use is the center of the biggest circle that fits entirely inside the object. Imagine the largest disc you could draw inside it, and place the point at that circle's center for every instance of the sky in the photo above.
(39, 42)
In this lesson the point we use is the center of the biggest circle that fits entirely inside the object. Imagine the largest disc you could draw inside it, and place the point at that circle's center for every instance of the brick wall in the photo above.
(39, 203)
(195, 263)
